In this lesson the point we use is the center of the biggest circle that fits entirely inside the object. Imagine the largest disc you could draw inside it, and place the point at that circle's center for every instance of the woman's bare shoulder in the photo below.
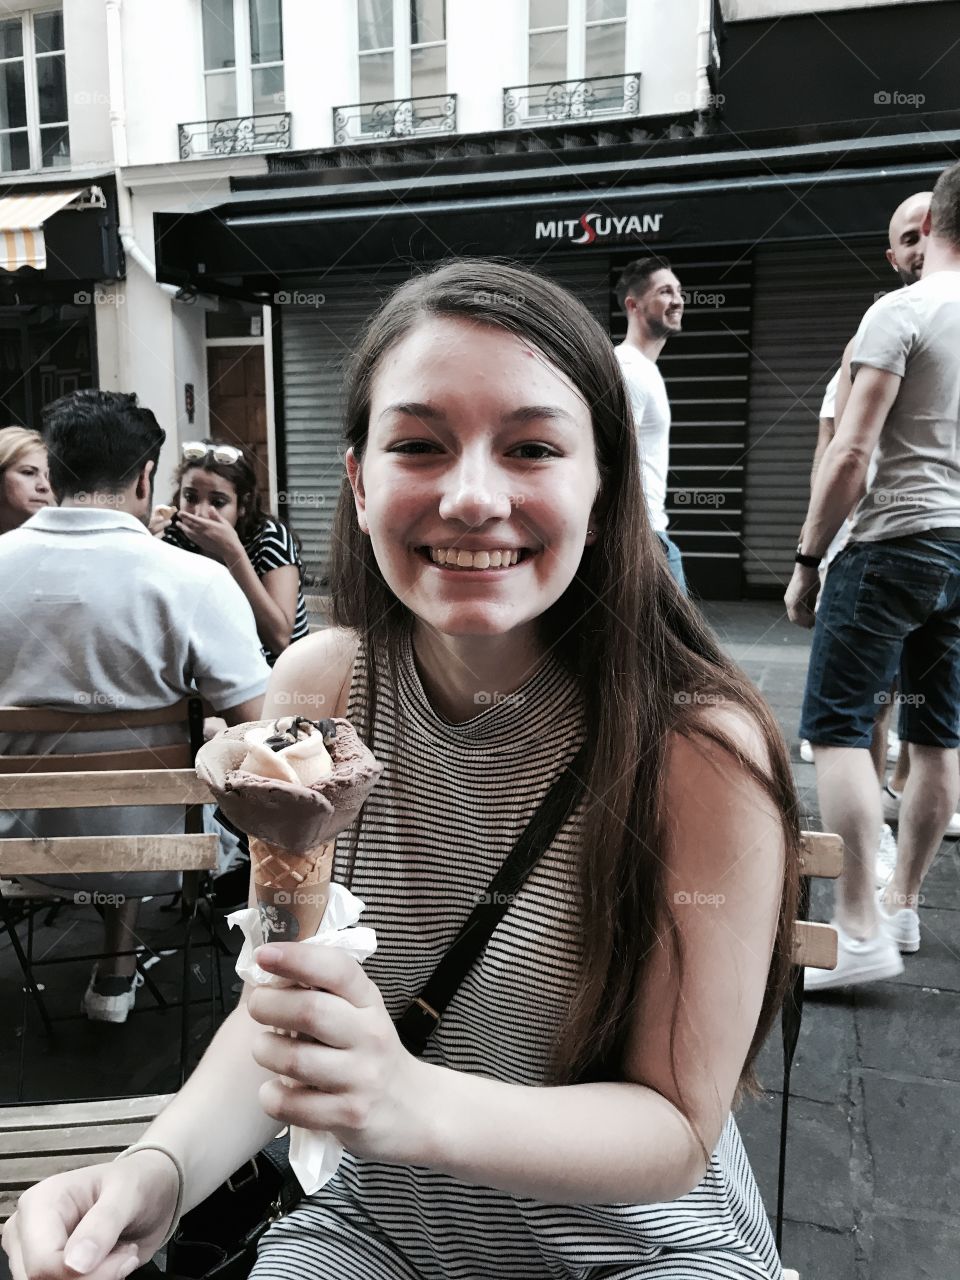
(312, 677)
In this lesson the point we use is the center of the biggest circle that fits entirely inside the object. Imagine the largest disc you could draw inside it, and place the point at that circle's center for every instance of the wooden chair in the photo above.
(815, 947)
(143, 775)
(38, 1141)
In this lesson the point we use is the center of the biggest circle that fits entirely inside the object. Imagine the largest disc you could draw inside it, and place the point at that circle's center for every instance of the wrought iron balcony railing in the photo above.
(600, 97)
(399, 118)
(235, 136)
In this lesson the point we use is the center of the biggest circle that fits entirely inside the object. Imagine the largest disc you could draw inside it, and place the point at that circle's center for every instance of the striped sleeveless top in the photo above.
(452, 801)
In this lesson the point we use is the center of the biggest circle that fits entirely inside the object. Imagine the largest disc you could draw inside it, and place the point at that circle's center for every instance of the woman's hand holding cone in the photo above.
(351, 1075)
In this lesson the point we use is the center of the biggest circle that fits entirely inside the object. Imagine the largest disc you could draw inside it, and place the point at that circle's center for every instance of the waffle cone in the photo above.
(292, 889)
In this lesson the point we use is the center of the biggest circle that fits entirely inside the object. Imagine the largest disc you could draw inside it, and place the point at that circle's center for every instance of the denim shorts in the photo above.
(887, 609)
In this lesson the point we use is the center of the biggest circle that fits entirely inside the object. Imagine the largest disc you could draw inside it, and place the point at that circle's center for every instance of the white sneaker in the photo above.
(901, 927)
(886, 856)
(870, 960)
(110, 999)
(806, 751)
(891, 813)
(893, 747)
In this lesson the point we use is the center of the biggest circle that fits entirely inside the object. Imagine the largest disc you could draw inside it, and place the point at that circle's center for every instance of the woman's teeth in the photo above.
(454, 559)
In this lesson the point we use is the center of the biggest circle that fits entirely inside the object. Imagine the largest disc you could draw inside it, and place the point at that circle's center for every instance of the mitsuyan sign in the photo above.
(596, 226)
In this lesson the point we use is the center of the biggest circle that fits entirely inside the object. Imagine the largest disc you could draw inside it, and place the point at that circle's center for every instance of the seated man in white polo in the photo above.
(96, 615)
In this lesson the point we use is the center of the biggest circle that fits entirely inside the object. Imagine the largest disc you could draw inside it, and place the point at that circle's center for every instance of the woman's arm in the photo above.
(273, 599)
(220, 1100)
(635, 1141)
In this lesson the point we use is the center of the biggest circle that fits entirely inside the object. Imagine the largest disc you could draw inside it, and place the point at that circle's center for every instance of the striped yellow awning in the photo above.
(21, 227)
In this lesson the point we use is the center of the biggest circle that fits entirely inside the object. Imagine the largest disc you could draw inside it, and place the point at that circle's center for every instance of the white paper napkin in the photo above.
(314, 1155)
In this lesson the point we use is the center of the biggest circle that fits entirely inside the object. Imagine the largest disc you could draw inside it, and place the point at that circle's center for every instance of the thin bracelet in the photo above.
(181, 1179)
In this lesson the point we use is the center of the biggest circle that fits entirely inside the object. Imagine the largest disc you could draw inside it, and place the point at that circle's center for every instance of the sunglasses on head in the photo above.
(196, 450)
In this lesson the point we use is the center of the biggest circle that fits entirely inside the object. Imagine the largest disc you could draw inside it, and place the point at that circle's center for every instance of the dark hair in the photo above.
(243, 477)
(636, 276)
(640, 651)
(97, 441)
(945, 206)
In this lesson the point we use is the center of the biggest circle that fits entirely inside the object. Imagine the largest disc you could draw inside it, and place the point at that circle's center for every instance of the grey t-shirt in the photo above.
(914, 333)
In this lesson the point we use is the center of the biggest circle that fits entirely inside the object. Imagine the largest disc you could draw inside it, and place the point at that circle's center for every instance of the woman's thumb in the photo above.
(95, 1236)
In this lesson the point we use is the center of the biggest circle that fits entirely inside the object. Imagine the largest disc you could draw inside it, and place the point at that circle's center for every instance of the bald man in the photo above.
(892, 598)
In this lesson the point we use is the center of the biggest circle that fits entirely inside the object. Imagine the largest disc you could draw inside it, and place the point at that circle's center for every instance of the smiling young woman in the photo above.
(571, 1114)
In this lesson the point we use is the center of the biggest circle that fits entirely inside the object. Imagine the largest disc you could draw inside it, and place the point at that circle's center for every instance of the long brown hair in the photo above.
(643, 655)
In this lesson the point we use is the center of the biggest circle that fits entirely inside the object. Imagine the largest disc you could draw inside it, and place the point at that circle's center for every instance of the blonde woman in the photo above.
(24, 483)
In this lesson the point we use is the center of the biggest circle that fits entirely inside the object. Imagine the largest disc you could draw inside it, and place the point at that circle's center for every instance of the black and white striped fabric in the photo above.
(272, 547)
(452, 801)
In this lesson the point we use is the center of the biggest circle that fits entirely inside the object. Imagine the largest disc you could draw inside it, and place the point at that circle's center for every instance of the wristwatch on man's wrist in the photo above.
(808, 562)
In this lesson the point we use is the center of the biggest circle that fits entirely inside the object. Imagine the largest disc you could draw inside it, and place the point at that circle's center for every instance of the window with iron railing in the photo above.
(242, 58)
(34, 128)
(402, 48)
(576, 62)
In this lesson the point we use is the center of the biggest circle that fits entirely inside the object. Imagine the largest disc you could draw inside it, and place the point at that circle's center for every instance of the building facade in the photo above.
(279, 165)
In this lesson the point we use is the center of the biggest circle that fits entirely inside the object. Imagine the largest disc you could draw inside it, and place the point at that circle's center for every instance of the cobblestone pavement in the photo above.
(873, 1173)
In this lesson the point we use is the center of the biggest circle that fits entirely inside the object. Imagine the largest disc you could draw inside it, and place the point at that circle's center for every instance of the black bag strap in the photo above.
(419, 1020)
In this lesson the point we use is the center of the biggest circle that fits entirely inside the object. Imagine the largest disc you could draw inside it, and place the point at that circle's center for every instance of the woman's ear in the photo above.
(355, 476)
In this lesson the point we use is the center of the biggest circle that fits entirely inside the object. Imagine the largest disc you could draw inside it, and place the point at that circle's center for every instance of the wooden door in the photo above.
(238, 406)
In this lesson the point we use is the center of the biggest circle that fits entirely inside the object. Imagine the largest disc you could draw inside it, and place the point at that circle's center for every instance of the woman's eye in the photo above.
(534, 452)
(414, 447)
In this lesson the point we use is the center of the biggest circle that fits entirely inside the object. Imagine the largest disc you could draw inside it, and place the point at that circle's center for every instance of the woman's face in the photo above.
(25, 488)
(478, 480)
(204, 493)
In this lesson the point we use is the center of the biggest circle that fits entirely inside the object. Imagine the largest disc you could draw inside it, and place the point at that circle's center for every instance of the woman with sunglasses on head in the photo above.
(216, 511)
(505, 618)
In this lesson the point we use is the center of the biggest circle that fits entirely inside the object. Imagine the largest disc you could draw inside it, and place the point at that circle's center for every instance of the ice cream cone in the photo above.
(292, 889)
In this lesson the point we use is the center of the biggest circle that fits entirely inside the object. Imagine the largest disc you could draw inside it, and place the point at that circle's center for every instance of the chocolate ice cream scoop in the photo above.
(289, 814)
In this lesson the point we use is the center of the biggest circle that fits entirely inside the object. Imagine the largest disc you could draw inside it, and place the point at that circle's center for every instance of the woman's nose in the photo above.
(474, 494)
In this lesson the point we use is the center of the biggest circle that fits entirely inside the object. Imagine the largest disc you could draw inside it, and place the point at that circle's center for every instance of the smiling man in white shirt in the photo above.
(650, 294)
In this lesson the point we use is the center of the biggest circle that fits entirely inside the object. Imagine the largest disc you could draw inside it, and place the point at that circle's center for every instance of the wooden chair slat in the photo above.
(821, 854)
(43, 720)
(43, 1115)
(93, 790)
(83, 854)
(175, 755)
(85, 1137)
(25, 1172)
(815, 945)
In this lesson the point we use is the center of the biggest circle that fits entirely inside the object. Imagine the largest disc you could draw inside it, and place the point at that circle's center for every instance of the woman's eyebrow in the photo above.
(414, 409)
(537, 413)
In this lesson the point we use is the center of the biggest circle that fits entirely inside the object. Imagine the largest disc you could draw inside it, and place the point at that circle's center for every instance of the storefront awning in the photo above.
(259, 238)
(21, 227)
